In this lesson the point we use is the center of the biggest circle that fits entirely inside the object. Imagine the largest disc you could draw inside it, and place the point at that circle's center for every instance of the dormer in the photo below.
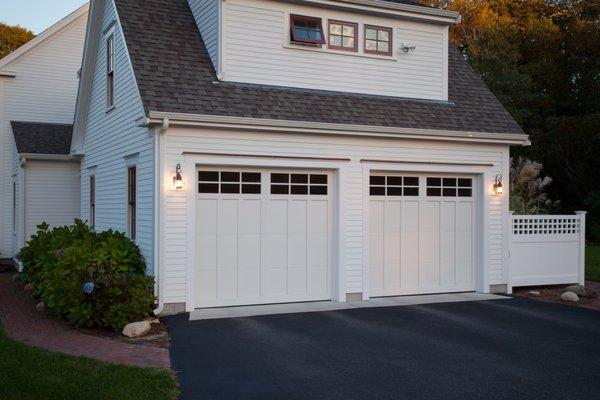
(376, 47)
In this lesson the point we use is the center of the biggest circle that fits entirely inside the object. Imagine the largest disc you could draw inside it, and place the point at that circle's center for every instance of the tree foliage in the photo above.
(13, 37)
(541, 58)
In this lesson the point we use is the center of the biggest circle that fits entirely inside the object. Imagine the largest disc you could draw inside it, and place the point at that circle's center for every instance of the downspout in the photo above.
(158, 206)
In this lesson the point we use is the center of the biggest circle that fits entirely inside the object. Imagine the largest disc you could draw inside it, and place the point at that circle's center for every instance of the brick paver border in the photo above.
(22, 322)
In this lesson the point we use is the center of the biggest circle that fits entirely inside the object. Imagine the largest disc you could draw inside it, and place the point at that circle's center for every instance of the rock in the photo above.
(16, 278)
(569, 296)
(137, 329)
(28, 287)
(155, 321)
(534, 293)
(40, 306)
(580, 291)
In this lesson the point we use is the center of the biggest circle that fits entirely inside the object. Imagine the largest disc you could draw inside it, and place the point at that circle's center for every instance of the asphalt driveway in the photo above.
(498, 349)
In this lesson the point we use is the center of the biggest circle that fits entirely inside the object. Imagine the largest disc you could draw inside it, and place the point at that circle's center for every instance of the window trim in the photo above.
(390, 31)
(110, 70)
(132, 201)
(306, 18)
(92, 205)
(14, 205)
(346, 23)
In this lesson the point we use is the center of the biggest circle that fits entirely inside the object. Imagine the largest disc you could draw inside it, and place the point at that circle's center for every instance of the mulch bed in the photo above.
(23, 322)
(551, 294)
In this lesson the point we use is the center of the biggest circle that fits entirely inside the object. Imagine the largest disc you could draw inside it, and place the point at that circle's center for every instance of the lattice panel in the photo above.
(551, 225)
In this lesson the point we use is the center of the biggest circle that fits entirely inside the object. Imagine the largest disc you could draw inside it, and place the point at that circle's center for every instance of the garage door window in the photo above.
(229, 182)
(380, 185)
(298, 184)
(449, 187)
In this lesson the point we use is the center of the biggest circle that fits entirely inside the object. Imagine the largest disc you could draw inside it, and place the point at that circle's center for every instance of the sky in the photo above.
(36, 15)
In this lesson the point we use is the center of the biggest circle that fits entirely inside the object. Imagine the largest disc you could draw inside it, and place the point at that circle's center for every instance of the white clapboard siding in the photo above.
(113, 141)
(257, 50)
(206, 14)
(180, 140)
(52, 194)
(44, 90)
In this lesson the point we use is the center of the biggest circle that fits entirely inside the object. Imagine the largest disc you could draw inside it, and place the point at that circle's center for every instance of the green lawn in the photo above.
(29, 373)
(592, 262)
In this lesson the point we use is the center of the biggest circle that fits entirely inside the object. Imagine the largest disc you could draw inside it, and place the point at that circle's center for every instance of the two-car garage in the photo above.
(268, 235)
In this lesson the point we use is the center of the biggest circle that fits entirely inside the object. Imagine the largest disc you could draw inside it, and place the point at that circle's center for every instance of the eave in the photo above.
(165, 119)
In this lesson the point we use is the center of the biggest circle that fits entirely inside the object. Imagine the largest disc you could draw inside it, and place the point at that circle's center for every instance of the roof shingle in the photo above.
(174, 74)
(42, 138)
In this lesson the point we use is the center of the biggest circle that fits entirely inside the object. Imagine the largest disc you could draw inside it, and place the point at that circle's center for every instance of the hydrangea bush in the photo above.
(89, 278)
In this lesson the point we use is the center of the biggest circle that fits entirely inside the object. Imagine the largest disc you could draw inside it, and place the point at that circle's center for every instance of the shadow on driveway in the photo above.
(497, 349)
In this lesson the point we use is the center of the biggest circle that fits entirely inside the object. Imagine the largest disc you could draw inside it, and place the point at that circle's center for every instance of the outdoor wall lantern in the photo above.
(178, 179)
(498, 189)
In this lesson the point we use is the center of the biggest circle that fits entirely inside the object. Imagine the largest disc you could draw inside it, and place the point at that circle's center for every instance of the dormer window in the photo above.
(342, 35)
(306, 30)
(378, 40)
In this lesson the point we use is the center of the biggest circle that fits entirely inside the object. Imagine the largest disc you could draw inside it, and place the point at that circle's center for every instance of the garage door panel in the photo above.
(207, 252)
(228, 217)
(250, 216)
(249, 251)
(267, 247)
(421, 239)
(297, 250)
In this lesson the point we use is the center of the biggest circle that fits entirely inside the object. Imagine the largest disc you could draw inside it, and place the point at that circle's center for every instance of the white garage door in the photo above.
(263, 236)
(421, 234)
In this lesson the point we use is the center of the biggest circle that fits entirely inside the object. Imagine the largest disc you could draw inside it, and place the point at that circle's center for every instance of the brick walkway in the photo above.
(23, 323)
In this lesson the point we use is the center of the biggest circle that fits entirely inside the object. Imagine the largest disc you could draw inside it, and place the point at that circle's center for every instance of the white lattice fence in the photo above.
(547, 249)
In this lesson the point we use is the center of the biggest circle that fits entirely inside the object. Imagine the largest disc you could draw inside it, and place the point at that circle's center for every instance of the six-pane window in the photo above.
(299, 184)
(378, 40)
(229, 182)
(306, 29)
(132, 201)
(380, 185)
(110, 71)
(342, 35)
(449, 187)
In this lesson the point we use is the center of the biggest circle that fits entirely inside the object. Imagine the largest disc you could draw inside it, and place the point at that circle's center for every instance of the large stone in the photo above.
(580, 291)
(534, 293)
(40, 306)
(569, 296)
(136, 329)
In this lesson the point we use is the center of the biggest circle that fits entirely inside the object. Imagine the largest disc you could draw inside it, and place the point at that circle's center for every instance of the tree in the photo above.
(541, 59)
(13, 37)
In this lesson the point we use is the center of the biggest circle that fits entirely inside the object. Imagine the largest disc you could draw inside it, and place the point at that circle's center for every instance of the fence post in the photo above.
(509, 286)
(581, 215)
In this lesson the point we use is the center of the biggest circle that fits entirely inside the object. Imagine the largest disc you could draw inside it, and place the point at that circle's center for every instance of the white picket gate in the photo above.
(547, 249)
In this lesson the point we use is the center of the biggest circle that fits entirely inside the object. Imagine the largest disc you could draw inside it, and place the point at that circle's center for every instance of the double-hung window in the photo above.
(342, 35)
(306, 30)
(132, 201)
(110, 71)
(378, 40)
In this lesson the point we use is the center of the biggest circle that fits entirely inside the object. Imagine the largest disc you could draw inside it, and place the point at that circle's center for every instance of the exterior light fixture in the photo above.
(178, 179)
(498, 189)
(408, 47)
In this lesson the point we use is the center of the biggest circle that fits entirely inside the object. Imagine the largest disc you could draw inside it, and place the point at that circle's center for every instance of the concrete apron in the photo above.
(316, 306)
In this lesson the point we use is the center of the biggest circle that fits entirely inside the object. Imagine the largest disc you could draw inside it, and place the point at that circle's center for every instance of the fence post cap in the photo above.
(580, 212)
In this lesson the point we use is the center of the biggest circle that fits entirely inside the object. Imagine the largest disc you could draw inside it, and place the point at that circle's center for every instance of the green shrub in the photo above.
(89, 278)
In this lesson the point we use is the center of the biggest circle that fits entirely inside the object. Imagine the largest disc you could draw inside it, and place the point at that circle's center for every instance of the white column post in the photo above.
(509, 286)
(581, 215)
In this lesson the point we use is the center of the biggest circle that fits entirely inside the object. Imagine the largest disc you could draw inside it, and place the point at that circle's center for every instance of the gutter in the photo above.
(47, 157)
(272, 125)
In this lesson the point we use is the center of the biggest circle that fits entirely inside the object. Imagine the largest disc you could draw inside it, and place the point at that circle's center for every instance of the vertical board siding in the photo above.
(257, 51)
(179, 140)
(52, 194)
(112, 141)
(206, 14)
(44, 90)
